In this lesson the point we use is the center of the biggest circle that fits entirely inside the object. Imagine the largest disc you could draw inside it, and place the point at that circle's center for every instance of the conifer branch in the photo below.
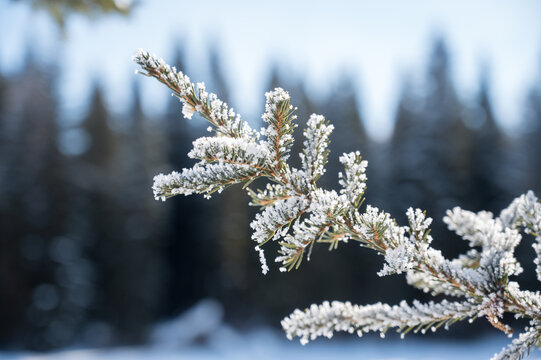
(297, 214)
(521, 346)
(327, 318)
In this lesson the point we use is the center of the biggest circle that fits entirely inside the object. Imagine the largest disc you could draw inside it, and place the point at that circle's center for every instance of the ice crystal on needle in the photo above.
(298, 214)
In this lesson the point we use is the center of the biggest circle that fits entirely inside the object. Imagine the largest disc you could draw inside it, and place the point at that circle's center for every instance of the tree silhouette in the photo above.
(33, 211)
(488, 155)
(101, 230)
(531, 143)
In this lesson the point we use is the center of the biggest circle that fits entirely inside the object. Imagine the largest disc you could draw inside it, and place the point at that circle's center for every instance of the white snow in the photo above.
(265, 344)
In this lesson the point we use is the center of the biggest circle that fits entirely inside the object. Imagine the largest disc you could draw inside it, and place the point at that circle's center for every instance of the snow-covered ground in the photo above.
(265, 344)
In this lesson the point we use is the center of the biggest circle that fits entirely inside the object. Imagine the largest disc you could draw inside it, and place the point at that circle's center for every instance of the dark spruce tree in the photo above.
(532, 133)
(100, 226)
(139, 277)
(488, 155)
(33, 211)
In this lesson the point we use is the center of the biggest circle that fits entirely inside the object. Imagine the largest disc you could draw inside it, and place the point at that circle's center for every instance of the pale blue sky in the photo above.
(377, 42)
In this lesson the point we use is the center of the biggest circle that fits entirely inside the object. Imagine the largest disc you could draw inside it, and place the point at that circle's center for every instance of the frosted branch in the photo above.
(298, 214)
(520, 346)
(327, 318)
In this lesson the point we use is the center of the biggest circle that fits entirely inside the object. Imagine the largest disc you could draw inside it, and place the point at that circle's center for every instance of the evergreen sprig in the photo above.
(296, 213)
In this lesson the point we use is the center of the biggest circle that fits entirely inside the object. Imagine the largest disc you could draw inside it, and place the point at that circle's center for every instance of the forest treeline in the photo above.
(87, 256)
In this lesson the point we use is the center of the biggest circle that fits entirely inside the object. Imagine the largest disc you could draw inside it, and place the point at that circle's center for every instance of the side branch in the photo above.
(327, 318)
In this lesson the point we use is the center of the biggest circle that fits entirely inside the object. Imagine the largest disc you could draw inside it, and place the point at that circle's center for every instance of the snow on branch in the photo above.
(315, 152)
(353, 179)
(327, 318)
(298, 214)
(525, 212)
(521, 346)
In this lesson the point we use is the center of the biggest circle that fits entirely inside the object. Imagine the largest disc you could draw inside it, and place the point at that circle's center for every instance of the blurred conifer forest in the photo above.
(87, 256)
